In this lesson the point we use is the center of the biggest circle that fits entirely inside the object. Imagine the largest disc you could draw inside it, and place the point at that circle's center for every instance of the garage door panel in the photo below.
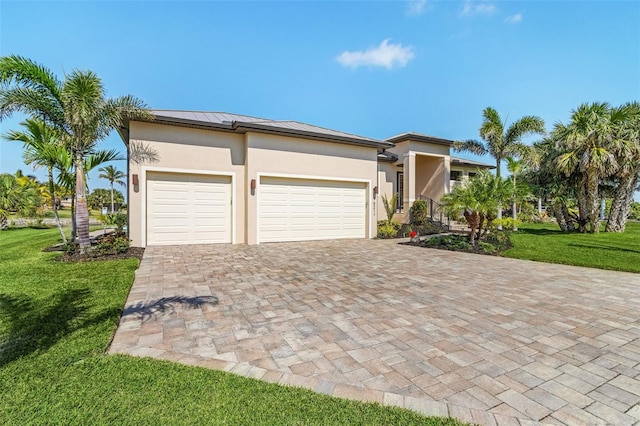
(301, 209)
(188, 209)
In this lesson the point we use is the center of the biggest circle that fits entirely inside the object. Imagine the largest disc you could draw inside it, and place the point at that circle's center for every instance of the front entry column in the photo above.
(409, 166)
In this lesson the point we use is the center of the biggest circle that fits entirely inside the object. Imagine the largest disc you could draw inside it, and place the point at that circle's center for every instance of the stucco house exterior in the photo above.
(209, 177)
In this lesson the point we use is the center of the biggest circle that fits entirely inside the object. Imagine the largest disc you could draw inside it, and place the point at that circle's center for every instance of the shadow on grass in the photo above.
(147, 310)
(543, 232)
(32, 325)
(603, 247)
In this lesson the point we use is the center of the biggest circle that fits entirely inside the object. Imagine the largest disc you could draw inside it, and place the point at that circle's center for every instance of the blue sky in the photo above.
(371, 68)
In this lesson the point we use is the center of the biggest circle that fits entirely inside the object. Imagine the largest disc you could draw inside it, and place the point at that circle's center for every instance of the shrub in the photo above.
(386, 230)
(506, 222)
(112, 244)
(419, 212)
(117, 219)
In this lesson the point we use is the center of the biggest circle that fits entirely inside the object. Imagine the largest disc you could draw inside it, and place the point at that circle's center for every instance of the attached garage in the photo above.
(184, 208)
(304, 209)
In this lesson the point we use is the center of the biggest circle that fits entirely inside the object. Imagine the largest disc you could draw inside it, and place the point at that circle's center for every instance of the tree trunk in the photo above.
(74, 228)
(111, 197)
(82, 213)
(472, 221)
(54, 205)
(583, 210)
(621, 203)
(593, 203)
(515, 216)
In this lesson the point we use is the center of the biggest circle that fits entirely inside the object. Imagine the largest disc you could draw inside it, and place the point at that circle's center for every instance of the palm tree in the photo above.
(66, 178)
(629, 173)
(43, 148)
(478, 199)
(500, 141)
(592, 149)
(515, 167)
(77, 107)
(113, 175)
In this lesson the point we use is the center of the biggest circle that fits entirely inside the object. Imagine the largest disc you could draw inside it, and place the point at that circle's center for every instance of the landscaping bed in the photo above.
(493, 244)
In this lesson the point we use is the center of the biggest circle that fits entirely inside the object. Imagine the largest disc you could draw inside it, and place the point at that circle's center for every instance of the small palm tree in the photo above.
(113, 175)
(76, 107)
(43, 148)
(390, 206)
(478, 200)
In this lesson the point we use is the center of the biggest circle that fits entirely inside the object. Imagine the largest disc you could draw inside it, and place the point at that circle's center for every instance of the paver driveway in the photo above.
(484, 339)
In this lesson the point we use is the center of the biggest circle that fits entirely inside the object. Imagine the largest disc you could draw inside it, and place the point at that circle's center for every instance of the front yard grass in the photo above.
(56, 320)
(546, 243)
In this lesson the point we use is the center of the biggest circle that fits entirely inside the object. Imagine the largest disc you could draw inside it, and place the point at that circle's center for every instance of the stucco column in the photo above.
(409, 169)
(447, 174)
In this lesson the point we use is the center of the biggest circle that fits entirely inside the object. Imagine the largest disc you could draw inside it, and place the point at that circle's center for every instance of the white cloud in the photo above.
(386, 55)
(513, 19)
(416, 7)
(473, 7)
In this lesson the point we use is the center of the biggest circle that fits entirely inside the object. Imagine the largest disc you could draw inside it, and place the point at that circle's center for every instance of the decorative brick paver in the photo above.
(485, 339)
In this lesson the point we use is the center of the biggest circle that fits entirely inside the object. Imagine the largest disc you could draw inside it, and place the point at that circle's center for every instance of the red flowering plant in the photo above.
(413, 234)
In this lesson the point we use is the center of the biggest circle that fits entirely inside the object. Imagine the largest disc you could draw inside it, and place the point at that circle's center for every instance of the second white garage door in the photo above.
(301, 209)
(188, 209)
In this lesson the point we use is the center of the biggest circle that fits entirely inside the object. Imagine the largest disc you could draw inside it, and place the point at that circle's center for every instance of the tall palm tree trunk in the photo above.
(111, 197)
(54, 205)
(499, 217)
(82, 212)
(621, 203)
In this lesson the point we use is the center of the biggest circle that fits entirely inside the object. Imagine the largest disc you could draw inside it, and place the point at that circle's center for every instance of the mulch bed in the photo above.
(136, 252)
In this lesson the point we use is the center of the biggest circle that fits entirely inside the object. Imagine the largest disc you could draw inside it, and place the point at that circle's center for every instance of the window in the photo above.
(400, 186)
(471, 174)
(456, 175)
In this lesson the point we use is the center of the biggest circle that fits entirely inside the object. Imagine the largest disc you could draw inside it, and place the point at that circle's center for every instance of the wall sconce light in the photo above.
(253, 184)
(134, 179)
(375, 190)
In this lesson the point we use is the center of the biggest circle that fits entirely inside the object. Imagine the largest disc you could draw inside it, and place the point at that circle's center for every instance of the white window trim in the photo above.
(259, 177)
(143, 194)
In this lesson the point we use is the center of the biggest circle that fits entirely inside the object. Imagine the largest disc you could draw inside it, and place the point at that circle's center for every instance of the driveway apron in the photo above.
(484, 339)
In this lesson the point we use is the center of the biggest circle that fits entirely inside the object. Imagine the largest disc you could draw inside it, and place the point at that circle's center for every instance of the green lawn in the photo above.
(545, 243)
(56, 320)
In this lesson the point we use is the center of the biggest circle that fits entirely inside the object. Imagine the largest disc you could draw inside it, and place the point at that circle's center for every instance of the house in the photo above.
(209, 177)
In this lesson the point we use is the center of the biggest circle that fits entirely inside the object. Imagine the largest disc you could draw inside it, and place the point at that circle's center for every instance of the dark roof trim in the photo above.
(464, 162)
(387, 157)
(245, 127)
(419, 138)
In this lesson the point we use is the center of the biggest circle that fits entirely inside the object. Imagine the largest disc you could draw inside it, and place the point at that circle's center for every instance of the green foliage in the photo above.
(102, 198)
(450, 242)
(635, 211)
(118, 219)
(419, 212)
(112, 244)
(19, 195)
(388, 230)
(57, 320)
(390, 206)
(506, 223)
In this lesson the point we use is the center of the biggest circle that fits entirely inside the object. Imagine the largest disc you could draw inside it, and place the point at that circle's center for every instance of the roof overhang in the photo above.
(456, 161)
(419, 138)
(247, 127)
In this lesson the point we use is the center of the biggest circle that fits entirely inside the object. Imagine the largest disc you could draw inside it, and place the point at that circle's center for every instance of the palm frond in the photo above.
(470, 145)
(26, 73)
(528, 125)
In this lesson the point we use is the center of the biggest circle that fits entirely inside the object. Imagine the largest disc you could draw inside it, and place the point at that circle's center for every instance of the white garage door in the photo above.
(300, 209)
(188, 209)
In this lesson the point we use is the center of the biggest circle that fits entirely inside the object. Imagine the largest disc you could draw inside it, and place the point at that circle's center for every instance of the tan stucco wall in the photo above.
(387, 173)
(277, 155)
(183, 149)
(430, 177)
(404, 147)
